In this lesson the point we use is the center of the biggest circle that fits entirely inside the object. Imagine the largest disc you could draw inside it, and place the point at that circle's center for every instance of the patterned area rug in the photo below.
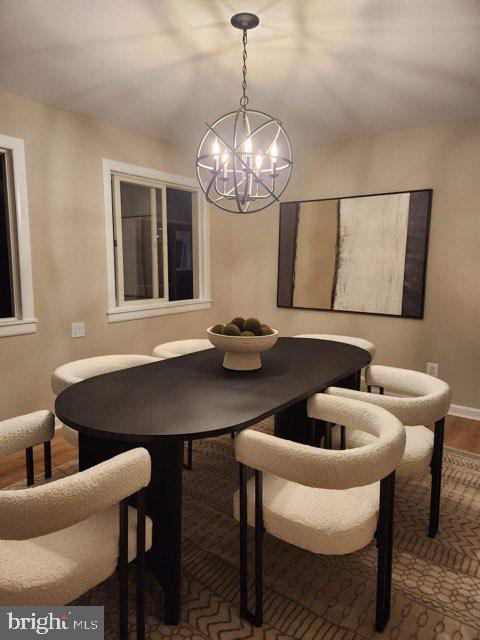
(436, 585)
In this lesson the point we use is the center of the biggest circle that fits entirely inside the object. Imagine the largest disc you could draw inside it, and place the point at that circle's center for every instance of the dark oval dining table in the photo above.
(160, 405)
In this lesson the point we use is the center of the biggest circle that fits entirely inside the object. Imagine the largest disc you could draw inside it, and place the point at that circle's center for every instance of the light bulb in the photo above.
(215, 147)
(225, 164)
(258, 161)
(274, 150)
(247, 145)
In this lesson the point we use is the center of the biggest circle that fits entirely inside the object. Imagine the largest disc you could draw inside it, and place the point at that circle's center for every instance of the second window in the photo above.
(155, 241)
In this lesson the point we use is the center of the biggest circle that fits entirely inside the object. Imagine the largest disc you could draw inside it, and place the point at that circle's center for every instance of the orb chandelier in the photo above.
(244, 160)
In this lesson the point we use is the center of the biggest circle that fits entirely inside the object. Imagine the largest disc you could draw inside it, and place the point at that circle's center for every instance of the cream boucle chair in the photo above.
(321, 500)
(419, 400)
(78, 370)
(25, 432)
(183, 348)
(61, 539)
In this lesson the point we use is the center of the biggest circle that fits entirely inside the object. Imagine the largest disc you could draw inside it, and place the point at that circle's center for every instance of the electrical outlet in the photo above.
(78, 329)
(432, 369)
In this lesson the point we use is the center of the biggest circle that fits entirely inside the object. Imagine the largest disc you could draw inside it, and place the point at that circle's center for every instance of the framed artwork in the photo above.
(358, 254)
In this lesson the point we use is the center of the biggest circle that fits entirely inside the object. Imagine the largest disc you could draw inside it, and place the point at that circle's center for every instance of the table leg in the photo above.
(164, 507)
(294, 424)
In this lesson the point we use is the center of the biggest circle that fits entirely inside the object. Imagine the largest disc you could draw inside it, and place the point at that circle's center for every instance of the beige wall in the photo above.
(445, 158)
(64, 153)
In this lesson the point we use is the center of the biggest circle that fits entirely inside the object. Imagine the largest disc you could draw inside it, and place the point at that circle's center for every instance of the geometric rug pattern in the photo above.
(436, 583)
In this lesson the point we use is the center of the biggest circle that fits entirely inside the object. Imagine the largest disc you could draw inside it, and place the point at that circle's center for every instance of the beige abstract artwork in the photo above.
(363, 254)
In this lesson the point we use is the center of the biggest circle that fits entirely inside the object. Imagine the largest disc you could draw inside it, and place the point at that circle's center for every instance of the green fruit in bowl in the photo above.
(231, 330)
(218, 328)
(247, 334)
(253, 325)
(239, 322)
(266, 330)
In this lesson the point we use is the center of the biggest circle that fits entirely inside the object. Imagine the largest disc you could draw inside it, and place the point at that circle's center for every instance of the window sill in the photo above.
(14, 327)
(135, 312)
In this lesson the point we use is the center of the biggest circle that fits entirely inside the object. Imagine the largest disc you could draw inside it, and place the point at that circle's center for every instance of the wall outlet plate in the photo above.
(432, 369)
(78, 329)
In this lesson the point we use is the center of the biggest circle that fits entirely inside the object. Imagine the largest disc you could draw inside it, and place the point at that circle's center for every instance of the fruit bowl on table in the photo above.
(242, 352)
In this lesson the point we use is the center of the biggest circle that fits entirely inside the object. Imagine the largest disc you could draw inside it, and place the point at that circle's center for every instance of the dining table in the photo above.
(161, 405)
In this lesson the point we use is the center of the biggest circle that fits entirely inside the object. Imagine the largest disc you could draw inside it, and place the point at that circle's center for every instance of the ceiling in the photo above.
(330, 69)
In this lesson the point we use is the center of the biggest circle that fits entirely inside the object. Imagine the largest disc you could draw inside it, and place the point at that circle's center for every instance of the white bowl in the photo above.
(242, 353)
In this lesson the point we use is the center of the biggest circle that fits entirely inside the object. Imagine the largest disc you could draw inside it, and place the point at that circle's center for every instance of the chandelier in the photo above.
(244, 160)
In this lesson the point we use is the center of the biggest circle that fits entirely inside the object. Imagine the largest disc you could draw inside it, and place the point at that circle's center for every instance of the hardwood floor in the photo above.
(460, 433)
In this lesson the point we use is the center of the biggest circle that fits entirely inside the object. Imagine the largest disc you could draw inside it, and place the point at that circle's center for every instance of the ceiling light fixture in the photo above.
(244, 160)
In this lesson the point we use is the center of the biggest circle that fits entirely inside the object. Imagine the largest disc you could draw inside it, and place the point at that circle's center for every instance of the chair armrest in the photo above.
(61, 382)
(268, 453)
(34, 512)
(325, 468)
(17, 434)
(411, 411)
(393, 404)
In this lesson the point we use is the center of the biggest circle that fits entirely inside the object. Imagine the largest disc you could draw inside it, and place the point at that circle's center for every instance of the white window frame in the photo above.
(24, 320)
(133, 309)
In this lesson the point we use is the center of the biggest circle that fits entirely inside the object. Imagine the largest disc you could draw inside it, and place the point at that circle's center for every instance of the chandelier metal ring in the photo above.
(244, 160)
(212, 169)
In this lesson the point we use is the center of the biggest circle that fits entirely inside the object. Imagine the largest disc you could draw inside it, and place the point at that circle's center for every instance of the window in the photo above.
(16, 294)
(7, 267)
(157, 235)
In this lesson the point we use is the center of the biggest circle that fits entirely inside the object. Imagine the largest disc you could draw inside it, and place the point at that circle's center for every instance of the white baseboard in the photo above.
(464, 412)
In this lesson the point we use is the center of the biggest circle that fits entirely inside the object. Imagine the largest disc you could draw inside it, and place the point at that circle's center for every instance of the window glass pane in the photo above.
(137, 241)
(7, 307)
(158, 196)
(180, 245)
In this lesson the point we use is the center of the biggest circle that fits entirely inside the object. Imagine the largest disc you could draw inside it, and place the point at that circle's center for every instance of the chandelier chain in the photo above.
(244, 98)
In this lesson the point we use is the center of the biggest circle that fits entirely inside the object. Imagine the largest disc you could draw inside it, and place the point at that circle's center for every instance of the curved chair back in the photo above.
(79, 370)
(324, 468)
(181, 347)
(357, 342)
(26, 431)
(423, 400)
(64, 502)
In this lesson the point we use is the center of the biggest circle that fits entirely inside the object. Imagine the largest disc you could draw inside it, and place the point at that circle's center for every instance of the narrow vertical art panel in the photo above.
(363, 254)
(315, 253)
(286, 253)
(416, 254)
